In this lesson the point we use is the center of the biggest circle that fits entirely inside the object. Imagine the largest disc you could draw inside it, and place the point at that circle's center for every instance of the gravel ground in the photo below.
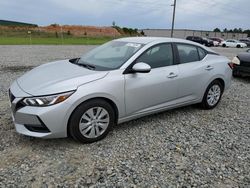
(186, 147)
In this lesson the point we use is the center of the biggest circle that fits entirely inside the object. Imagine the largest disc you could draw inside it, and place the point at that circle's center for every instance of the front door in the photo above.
(147, 91)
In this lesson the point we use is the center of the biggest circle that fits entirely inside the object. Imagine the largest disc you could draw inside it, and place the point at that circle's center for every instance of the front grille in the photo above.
(19, 105)
(15, 106)
(11, 96)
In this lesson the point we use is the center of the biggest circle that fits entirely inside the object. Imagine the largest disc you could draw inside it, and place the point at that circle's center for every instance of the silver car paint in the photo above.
(56, 77)
(135, 95)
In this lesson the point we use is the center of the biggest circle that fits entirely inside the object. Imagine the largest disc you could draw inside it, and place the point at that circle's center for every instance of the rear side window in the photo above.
(187, 53)
(158, 56)
(202, 53)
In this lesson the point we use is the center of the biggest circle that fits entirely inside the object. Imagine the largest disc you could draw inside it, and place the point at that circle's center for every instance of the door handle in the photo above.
(209, 67)
(172, 75)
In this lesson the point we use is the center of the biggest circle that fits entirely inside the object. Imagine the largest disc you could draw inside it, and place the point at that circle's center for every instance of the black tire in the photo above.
(238, 46)
(204, 103)
(76, 116)
(224, 45)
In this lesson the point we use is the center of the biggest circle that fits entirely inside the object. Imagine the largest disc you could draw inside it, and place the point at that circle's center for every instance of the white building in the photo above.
(183, 33)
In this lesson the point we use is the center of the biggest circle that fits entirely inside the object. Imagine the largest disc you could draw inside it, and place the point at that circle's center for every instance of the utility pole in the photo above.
(172, 30)
(62, 34)
(29, 32)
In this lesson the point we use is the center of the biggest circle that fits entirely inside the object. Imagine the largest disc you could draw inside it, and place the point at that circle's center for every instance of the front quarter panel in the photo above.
(110, 87)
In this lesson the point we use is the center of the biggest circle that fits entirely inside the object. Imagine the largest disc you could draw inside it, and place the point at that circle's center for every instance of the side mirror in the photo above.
(141, 68)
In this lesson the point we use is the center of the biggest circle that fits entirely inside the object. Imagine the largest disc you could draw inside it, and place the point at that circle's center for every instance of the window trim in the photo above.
(182, 43)
(199, 53)
(128, 70)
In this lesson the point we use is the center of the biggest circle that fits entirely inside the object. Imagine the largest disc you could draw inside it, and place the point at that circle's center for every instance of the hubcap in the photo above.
(94, 122)
(213, 95)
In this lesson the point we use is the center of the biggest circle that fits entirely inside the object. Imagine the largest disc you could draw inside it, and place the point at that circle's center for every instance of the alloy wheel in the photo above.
(94, 122)
(213, 95)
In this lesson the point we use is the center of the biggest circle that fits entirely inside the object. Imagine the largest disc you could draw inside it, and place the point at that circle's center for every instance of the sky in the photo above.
(141, 14)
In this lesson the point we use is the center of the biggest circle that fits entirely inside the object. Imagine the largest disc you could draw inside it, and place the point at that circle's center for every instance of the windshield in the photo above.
(111, 55)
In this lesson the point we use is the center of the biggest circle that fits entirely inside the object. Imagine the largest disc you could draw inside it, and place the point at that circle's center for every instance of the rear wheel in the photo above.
(224, 45)
(212, 95)
(91, 121)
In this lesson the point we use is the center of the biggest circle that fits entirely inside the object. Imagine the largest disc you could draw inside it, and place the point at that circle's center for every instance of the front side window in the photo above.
(111, 55)
(187, 53)
(158, 56)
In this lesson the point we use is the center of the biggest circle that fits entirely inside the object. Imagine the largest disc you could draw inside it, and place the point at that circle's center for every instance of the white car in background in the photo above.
(233, 43)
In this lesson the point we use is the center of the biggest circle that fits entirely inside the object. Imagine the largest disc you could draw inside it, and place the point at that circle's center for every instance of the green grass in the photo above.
(53, 40)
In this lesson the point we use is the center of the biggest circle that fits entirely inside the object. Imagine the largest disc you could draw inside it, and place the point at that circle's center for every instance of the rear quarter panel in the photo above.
(221, 70)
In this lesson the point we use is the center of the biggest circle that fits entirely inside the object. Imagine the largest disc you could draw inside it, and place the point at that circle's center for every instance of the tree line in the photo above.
(235, 30)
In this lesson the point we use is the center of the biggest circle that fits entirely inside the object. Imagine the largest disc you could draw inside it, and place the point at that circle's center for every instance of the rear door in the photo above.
(194, 72)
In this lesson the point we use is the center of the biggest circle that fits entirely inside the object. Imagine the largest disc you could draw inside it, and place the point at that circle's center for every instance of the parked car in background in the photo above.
(233, 43)
(246, 41)
(116, 82)
(200, 40)
(242, 64)
(209, 42)
(217, 41)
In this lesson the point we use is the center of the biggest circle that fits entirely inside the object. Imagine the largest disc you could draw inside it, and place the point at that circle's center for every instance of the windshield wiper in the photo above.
(86, 65)
(83, 64)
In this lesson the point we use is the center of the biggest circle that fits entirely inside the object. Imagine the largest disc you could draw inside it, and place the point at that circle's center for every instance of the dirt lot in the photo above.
(74, 30)
(186, 147)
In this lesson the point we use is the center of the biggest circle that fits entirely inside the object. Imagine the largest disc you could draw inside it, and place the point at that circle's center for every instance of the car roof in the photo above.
(147, 40)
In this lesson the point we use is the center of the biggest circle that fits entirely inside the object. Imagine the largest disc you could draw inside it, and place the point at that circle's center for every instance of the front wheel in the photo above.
(238, 46)
(224, 45)
(91, 121)
(212, 95)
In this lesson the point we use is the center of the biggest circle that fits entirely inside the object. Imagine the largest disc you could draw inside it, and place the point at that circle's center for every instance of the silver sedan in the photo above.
(119, 81)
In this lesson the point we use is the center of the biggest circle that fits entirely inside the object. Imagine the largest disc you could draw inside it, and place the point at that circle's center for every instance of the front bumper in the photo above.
(42, 122)
(243, 70)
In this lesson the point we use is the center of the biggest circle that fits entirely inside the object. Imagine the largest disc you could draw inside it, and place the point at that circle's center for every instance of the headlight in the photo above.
(47, 100)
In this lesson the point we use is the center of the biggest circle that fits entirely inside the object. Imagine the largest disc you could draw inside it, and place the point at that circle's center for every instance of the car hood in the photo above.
(57, 77)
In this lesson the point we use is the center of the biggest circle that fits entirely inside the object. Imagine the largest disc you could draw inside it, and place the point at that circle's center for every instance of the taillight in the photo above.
(235, 61)
(231, 65)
